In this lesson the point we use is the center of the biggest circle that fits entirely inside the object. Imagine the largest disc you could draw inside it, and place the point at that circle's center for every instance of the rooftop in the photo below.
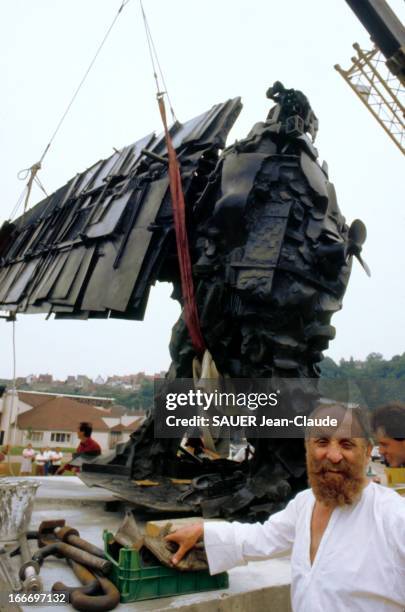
(27, 394)
(60, 414)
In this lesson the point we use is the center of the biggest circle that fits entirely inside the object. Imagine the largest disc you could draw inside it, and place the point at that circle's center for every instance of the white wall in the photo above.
(10, 403)
(22, 436)
(23, 407)
(127, 419)
(124, 420)
(103, 438)
(11, 406)
(115, 440)
(18, 440)
(111, 421)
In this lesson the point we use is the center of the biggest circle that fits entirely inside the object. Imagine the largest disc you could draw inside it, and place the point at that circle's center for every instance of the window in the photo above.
(60, 437)
(37, 436)
(115, 437)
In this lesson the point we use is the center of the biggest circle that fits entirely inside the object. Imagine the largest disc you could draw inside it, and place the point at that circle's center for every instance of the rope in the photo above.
(22, 175)
(101, 45)
(10, 467)
(14, 356)
(183, 252)
(155, 58)
(178, 205)
(18, 204)
(40, 185)
(33, 170)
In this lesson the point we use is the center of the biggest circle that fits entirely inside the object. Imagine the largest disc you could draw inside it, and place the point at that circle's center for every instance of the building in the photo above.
(46, 379)
(83, 381)
(47, 419)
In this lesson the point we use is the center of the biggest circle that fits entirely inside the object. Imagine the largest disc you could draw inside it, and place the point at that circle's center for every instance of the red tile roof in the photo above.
(132, 426)
(60, 414)
(34, 399)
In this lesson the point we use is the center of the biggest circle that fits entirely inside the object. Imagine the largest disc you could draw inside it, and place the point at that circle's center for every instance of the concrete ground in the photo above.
(263, 585)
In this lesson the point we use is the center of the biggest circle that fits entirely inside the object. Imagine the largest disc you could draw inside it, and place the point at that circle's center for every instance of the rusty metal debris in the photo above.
(132, 535)
(87, 561)
(29, 570)
(50, 534)
(98, 594)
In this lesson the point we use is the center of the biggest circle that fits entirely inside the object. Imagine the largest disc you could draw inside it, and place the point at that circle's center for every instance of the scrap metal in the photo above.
(271, 255)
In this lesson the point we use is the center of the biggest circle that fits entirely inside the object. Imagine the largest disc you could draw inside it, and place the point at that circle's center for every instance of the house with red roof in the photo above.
(47, 419)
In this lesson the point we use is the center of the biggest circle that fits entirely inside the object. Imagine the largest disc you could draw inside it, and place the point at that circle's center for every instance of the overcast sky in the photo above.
(210, 51)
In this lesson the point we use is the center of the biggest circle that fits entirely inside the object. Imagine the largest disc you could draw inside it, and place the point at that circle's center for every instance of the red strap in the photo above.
(183, 253)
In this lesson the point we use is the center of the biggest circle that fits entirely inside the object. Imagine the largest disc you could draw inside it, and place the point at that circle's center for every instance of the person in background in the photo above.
(48, 463)
(87, 446)
(56, 460)
(388, 423)
(28, 456)
(40, 463)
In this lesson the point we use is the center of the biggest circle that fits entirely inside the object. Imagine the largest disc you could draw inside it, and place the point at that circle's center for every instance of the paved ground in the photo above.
(263, 585)
(258, 586)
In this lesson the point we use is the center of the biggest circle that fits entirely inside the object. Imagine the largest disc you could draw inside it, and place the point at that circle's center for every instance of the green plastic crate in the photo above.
(136, 582)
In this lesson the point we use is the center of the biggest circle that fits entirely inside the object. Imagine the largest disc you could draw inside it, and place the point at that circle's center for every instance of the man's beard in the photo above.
(339, 489)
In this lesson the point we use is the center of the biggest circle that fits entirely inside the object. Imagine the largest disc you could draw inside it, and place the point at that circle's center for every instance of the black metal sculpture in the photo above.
(271, 258)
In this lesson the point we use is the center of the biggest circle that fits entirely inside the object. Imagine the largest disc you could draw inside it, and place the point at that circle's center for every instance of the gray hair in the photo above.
(358, 414)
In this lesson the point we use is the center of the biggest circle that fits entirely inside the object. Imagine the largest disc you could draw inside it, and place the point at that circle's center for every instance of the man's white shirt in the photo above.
(56, 458)
(360, 562)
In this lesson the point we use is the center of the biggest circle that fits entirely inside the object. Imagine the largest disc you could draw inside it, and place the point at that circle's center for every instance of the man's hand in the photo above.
(186, 538)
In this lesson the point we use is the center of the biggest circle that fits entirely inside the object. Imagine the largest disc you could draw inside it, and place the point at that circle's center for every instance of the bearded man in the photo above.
(345, 535)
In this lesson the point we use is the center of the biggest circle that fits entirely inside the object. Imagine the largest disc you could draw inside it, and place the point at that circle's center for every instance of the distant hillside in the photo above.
(373, 381)
(142, 399)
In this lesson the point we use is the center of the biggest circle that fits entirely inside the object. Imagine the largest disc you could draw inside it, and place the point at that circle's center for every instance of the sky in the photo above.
(209, 51)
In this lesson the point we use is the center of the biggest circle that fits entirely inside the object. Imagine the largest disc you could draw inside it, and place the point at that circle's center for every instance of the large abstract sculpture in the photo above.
(271, 257)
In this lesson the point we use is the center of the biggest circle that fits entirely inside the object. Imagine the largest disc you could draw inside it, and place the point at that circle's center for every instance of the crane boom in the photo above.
(380, 21)
(377, 76)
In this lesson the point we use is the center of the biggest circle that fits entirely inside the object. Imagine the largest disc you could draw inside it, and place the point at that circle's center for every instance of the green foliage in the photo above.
(142, 399)
(372, 382)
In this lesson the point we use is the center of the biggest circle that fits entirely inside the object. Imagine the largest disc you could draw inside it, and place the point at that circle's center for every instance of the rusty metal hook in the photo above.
(85, 598)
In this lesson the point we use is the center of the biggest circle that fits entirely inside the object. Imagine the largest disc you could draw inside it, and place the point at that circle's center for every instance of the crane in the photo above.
(377, 76)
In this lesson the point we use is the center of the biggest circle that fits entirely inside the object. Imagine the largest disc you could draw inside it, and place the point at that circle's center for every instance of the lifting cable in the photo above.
(13, 409)
(179, 213)
(31, 173)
